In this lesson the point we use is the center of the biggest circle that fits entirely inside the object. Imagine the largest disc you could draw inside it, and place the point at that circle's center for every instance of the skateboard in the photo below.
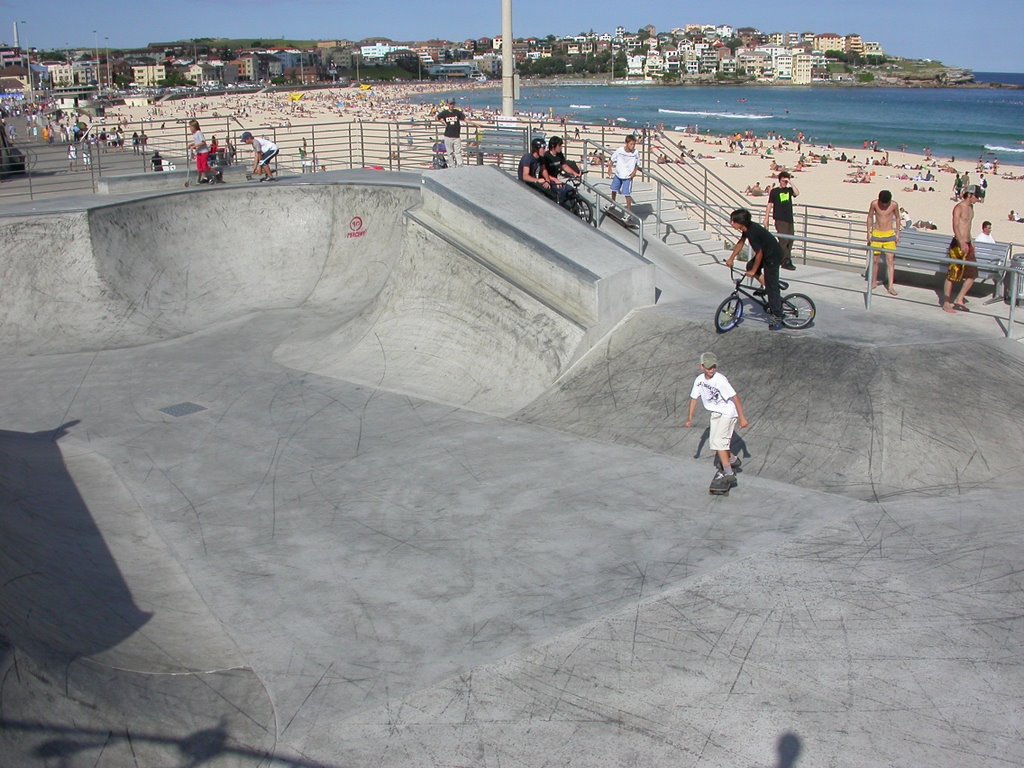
(617, 217)
(722, 484)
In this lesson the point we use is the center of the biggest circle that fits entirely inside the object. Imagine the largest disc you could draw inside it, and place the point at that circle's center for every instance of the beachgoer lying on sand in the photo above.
(1014, 216)
(756, 191)
(921, 224)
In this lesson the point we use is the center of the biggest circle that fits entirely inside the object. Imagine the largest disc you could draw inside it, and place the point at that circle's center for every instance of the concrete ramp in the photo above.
(97, 610)
(406, 305)
(858, 405)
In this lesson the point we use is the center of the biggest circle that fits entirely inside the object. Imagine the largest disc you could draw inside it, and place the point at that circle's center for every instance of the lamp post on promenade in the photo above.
(106, 41)
(508, 100)
(28, 58)
(96, 49)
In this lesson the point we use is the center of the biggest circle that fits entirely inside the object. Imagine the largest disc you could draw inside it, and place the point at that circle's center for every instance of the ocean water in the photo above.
(965, 123)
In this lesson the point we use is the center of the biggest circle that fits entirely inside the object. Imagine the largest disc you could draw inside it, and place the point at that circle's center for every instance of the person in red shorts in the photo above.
(202, 150)
(962, 248)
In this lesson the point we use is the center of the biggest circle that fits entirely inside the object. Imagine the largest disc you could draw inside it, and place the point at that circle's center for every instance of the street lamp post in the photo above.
(508, 66)
(96, 48)
(28, 58)
(106, 40)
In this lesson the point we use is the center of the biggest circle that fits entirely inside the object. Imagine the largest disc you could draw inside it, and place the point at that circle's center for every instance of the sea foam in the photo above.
(726, 115)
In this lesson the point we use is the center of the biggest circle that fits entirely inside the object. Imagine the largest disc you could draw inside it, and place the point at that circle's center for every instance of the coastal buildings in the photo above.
(690, 52)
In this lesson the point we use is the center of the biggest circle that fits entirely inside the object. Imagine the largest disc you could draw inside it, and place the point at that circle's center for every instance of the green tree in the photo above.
(174, 79)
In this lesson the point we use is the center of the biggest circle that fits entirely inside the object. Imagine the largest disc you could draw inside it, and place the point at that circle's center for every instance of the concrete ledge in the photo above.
(587, 276)
(129, 183)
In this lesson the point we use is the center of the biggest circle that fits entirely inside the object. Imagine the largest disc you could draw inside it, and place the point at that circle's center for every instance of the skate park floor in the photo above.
(272, 566)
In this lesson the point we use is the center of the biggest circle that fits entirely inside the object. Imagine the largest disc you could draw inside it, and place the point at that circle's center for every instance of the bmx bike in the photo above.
(797, 309)
(574, 202)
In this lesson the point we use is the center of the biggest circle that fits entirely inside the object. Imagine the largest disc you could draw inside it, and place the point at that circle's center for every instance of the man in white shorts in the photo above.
(264, 150)
(718, 396)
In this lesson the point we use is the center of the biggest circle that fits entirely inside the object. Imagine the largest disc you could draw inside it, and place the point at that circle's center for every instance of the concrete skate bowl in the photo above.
(387, 302)
(396, 306)
(867, 421)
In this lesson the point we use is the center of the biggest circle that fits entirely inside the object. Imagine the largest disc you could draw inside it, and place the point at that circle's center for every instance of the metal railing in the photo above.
(304, 148)
(831, 235)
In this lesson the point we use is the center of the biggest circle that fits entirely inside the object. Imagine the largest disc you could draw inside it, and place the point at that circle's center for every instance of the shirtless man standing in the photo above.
(961, 247)
(884, 235)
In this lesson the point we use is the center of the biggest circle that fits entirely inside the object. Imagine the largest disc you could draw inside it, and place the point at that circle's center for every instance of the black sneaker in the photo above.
(788, 265)
(731, 480)
(735, 462)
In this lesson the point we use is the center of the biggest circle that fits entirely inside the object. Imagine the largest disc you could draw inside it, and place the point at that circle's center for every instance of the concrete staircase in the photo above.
(673, 227)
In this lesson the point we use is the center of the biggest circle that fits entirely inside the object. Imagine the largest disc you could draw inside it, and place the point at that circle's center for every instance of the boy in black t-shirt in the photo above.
(555, 165)
(780, 209)
(453, 119)
(767, 257)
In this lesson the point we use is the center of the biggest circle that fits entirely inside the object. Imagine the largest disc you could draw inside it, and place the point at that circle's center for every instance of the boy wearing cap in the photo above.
(718, 397)
(264, 151)
(961, 247)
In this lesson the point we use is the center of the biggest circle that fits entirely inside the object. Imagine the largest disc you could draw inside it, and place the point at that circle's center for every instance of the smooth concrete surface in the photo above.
(475, 546)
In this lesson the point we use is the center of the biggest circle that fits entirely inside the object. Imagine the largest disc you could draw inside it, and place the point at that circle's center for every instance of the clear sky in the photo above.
(984, 35)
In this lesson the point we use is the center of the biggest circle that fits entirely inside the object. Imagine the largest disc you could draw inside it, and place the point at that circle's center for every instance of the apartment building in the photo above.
(148, 75)
(62, 74)
(803, 69)
(829, 41)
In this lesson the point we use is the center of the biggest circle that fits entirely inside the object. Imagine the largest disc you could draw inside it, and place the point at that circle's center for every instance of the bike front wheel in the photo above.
(584, 210)
(797, 310)
(729, 314)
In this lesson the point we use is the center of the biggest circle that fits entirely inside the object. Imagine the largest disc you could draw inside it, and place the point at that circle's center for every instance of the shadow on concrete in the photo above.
(788, 749)
(67, 745)
(62, 595)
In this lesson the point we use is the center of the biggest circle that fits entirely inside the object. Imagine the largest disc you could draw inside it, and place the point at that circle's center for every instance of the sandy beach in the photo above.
(921, 185)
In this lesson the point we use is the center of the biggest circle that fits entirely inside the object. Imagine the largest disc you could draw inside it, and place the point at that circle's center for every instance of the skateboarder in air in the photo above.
(721, 400)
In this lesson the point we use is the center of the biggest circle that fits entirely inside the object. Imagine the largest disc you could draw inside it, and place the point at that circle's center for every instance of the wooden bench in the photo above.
(920, 249)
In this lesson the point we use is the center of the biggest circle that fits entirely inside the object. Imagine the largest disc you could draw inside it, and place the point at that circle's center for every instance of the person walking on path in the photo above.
(623, 165)
(767, 259)
(884, 235)
(720, 399)
(264, 150)
(780, 209)
(961, 248)
(453, 119)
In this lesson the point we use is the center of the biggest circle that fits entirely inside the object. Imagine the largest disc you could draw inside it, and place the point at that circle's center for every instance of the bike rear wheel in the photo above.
(797, 310)
(581, 208)
(729, 314)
